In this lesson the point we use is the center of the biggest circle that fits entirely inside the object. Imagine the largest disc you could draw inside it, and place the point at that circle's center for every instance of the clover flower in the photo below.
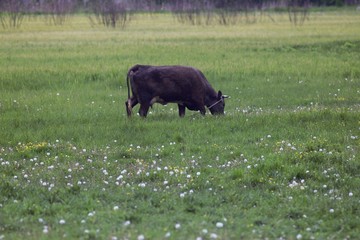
(177, 226)
(219, 225)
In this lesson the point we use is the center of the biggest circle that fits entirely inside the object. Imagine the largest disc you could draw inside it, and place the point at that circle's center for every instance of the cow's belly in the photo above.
(157, 99)
(191, 106)
(162, 101)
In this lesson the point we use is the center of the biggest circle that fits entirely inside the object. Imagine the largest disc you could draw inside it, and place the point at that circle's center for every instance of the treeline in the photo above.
(117, 13)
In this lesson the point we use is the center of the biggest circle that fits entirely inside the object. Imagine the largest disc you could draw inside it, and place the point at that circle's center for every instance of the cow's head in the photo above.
(217, 107)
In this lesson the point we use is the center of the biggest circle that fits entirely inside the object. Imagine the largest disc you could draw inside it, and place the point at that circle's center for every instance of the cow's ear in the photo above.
(219, 95)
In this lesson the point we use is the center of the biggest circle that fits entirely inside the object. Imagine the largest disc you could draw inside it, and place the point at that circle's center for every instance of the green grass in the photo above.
(282, 163)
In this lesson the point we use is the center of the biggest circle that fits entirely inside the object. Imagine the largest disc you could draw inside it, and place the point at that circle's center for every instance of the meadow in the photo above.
(283, 163)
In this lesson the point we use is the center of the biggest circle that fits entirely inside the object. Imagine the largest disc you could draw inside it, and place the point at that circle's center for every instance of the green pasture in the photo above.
(283, 163)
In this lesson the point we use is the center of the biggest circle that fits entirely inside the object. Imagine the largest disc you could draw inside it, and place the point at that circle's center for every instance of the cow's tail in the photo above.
(128, 83)
(131, 71)
(128, 105)
(129, 75)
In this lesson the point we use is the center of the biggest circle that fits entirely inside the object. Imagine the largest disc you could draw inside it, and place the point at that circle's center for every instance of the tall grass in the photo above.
(282, 163)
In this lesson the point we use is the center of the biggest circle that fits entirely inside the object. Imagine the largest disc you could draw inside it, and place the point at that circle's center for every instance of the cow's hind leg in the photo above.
(129, 104)
(181, 110)
(144, 108)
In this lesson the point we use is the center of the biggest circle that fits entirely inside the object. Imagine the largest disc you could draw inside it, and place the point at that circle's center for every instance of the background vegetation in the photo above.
(117, 13)
(282, 163)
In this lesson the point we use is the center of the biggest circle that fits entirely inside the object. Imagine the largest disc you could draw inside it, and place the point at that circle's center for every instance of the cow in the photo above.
(186, 86)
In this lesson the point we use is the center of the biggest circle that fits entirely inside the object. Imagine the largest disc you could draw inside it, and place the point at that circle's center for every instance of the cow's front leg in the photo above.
(144, 108)
(181, 110)
(202, 110)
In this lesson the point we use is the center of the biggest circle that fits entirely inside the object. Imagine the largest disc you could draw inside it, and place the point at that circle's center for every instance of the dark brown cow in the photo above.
(186, 86)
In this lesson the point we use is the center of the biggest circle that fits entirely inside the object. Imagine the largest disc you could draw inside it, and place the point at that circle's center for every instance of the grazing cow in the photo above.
(186, 86)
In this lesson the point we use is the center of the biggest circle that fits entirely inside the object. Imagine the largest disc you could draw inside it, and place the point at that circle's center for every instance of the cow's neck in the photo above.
(211, 97)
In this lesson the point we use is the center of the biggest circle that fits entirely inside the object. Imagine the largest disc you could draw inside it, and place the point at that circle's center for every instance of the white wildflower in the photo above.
(219, 225)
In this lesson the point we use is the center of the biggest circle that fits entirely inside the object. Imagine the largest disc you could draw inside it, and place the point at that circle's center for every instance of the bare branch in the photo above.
(110, 13)
(12, 13)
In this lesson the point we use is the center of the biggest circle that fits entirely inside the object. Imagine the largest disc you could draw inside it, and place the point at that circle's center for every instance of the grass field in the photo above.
(283, 163)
